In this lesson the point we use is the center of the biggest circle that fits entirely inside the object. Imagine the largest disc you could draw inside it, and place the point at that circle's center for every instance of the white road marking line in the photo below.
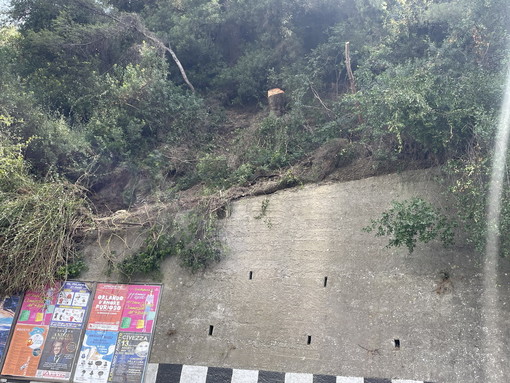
(193, 374)
(151, 373)
(349, 379)
(245, 376)
(298, 378)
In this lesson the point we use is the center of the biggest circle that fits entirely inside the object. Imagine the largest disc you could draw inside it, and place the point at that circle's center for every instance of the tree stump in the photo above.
(277, 101)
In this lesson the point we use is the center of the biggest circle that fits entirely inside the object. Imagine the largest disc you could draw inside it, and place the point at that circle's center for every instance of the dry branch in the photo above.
(350, 75)
(316, 95)
(135, 22)
(132, 21)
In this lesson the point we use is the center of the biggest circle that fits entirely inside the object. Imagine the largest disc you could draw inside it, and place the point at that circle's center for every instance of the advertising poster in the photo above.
(38, 308)
(107, 307)
(71, 305)
(25, 350)
(140, 308)
(130, 358)
(95, 358)
(8, 306)
(59, 352)
(82, 332)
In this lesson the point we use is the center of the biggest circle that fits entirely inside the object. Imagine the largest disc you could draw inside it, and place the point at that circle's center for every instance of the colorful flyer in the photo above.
(107, 307)
(25, 350)
(47, 343)
(140, 308)
(95, 359)
(71, 305)
(38, 308)
(8, 306)
(130, 358)
(59, 352)
(75, 294)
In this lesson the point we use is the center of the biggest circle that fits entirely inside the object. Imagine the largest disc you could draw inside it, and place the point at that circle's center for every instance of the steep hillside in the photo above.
(161, 106)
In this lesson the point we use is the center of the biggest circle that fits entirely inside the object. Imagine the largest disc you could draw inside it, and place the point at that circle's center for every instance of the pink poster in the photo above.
(38, 308)
(140, 308)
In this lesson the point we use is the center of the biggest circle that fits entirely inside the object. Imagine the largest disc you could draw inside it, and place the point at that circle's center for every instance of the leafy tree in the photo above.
(64, 56)
(140, 108)
(53, 143)
(92, 92)
(136, 6)
(231, 46)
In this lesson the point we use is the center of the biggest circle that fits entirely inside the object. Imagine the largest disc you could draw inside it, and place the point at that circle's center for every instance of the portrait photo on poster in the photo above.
(59, 350)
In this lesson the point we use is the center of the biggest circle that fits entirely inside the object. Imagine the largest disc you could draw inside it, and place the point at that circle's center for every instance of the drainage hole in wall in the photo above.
(309, 340)
(211, 328)
(251, 275)
(396, 343)
(325, 281)
(222, 212)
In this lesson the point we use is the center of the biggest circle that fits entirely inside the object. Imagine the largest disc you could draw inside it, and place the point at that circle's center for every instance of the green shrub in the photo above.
(192, 238)
(72, 269)
(246, 81)
(411, 221)
(158, 246)
(213, 170)
(243, 174)
(468, 181)
(198, 245)
(277, 144)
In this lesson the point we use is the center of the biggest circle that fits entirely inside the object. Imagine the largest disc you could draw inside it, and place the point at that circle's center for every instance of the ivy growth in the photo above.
(192, 238)
(263, 212)
(411, 221)
(72, 269)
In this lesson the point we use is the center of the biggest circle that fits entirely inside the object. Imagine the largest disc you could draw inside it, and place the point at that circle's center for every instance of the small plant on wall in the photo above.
(263, 212)
(412, 221)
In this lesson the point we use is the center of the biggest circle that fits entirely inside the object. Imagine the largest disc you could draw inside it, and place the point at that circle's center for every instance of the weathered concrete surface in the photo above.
(373, 295)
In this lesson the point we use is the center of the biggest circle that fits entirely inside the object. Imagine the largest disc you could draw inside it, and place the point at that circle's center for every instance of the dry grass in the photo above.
(38, 229)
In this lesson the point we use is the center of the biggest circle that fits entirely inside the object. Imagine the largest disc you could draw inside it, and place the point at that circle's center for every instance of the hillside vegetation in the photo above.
(118, 103)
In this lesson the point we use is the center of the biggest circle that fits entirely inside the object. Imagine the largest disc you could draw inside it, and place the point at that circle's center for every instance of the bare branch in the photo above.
(132, 21)
(142, 29)
(316, 95)
(352, 82)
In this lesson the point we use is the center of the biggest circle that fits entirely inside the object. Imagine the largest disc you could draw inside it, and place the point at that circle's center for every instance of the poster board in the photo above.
(119, 333)
(47, 329)
(84, 332)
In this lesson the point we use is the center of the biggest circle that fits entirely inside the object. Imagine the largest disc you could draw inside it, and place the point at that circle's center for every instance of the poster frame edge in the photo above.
(11, 332)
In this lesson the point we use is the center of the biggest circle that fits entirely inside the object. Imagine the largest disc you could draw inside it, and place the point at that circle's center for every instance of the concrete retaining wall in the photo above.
(268, 304)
